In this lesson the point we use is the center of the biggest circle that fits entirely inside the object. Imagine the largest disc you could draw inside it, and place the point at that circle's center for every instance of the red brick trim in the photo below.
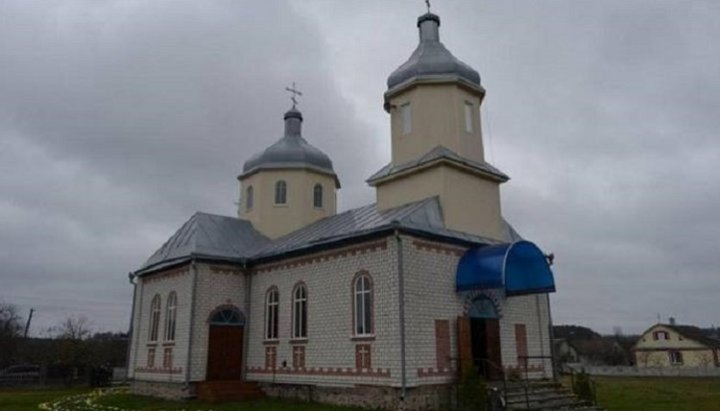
(324, 256)
(225, 269)
(164, 275)
(521, 368)
(439, 248)
(323, 371)
(436, 372)
(159, 370)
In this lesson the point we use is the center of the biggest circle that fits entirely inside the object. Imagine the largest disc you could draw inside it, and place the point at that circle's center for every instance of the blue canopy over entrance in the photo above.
(520, 268)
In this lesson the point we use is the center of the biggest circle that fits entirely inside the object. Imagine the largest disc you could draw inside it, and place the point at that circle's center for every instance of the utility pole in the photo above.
(27, 325)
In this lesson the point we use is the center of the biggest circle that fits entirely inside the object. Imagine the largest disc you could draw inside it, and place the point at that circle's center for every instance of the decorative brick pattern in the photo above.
(298, 356)
(330, 371)
(225, 269)
(165, 275)
(158, 370)
(322, 257)
(271, 357)
(439, 248)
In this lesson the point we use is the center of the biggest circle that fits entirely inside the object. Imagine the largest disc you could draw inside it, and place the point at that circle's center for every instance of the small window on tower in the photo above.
(249, 200)
(281, 192)
(318, 196)
(468, 117)
(406, 118)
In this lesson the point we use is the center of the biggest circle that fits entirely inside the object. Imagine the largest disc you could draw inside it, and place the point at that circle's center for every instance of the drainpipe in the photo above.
(131, 335)
(246, 331)
(188, 363)
(136, 327)
(401, 298)
(552, 337)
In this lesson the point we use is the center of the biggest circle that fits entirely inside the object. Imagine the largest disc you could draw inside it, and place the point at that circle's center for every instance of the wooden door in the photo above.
(464, 343)
(225, 349)
(492, 347)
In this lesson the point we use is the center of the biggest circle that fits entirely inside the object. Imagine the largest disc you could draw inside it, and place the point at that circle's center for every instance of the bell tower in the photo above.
(434, 104)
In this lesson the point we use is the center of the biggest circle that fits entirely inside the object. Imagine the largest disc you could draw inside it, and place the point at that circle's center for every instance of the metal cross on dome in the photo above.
(427, 3)
(295, 92)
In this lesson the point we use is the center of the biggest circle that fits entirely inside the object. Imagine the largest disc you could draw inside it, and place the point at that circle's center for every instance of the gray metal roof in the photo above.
(208, 236)
(291, 151)
(431, 59)
(232, 239)
(437, 153)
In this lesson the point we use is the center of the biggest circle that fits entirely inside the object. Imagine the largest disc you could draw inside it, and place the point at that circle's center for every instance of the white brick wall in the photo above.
(430, 295)
(330, 344)
(179, 281)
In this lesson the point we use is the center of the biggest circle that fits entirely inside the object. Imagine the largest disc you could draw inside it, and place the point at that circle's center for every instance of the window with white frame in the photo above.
(271, 314)
(676, 357)
(249, 200)
(281, 192)
(154, 318)
(362, 293)
(406, 111)
(299, 327)
(318, 196)
(170, 316)
(469, 117)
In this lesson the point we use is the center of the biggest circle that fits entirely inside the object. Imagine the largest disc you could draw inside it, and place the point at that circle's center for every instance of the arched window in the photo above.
(271, 314)
(170, 316)
(318, 196)
(299, 327)
(362, 305)
(154, 318)
(281, 192)
(227, 316)
(249, 200)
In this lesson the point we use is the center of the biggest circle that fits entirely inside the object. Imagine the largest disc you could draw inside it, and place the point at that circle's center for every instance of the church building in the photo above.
(384, 305)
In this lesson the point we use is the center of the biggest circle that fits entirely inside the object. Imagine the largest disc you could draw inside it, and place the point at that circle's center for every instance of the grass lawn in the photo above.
(136, 402)
(658, 394)
(23, 399)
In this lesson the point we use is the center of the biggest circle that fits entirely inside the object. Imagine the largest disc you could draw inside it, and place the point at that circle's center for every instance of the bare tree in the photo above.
(74, 328)
(10, 321)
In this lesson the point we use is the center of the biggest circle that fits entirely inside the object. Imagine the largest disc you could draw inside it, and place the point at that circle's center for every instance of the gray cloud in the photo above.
(119, 119)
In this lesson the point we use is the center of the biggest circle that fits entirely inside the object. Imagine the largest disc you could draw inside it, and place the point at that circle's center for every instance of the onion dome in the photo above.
(431, 60)
(290, 152)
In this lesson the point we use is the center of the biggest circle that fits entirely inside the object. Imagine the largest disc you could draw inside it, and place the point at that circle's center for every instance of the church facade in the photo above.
(378, 305)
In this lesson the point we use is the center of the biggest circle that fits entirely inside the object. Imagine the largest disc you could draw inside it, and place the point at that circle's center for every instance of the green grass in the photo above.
(140, 403)
(23, 399)
(658, 394)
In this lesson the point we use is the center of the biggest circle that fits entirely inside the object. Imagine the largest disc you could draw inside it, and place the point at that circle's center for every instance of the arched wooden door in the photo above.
(225, 345)
(479, 339)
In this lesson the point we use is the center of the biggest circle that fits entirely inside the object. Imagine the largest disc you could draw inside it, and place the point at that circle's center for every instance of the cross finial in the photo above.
(295, 92)
(427, 3)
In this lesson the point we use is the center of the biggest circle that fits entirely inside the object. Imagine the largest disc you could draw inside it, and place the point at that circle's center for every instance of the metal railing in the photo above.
(526, 381)
(593, 384)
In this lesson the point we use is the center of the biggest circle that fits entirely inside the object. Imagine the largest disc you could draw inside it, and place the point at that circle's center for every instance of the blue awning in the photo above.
(520, 268)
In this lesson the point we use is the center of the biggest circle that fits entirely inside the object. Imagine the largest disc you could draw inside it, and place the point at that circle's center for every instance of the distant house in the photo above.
(596, 351)
(670, 345)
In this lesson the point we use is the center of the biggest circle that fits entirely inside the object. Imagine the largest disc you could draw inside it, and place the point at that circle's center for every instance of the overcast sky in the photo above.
(120, 119)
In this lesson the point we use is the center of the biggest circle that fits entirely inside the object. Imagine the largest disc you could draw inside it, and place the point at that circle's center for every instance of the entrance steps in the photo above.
(543, 396)
(230, 390)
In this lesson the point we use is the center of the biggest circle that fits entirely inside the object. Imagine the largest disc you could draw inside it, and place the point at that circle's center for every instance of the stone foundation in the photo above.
(167, 390)
(423, 398)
